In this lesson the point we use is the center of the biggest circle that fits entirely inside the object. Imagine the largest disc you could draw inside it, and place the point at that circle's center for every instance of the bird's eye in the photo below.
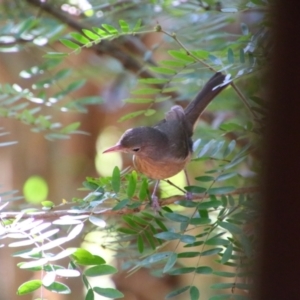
(135, 149)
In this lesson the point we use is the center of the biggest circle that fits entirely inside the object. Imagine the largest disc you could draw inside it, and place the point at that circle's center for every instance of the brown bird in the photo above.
(163, 150)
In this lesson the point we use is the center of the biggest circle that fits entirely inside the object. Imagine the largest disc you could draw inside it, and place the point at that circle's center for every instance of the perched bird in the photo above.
(163, 150)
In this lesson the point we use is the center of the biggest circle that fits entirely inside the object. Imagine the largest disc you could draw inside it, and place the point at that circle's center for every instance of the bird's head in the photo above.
(141, 141)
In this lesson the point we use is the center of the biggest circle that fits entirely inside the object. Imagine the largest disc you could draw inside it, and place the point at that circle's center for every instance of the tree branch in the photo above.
(55, 214)
(105, 47)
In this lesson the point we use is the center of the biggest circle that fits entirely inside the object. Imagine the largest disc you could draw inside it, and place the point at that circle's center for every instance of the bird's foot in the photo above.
(155, 204)
(189, 196)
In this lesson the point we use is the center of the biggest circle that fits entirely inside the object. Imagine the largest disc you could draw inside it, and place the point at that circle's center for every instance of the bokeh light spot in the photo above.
(35, 189)
(105, 163)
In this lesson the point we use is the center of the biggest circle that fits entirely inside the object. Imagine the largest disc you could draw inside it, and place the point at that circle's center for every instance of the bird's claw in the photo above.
(189, 196)
(155, 204)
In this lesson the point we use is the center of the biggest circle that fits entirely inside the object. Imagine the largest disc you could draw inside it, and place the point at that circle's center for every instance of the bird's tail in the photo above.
(210, 90)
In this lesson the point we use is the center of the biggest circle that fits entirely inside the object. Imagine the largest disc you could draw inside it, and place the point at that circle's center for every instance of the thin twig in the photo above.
(55, 214)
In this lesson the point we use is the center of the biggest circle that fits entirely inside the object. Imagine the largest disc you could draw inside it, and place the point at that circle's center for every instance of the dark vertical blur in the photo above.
(280, 257)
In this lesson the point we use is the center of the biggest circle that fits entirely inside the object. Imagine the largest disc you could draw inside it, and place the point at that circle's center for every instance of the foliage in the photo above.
(221, 219)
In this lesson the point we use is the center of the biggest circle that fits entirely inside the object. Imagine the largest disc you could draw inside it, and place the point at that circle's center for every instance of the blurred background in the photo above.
(42, 169)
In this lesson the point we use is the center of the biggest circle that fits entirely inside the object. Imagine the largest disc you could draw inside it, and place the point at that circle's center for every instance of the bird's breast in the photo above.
(159, 169)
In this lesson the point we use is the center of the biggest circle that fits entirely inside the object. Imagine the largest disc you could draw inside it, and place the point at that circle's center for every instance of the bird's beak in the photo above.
(115, 148)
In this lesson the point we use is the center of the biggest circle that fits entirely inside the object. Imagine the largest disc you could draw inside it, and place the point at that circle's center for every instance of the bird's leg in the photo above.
(155, 203)
(189, 195)
(174, 185)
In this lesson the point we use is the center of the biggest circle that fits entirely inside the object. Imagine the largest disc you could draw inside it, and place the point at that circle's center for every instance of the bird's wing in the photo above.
(178, 131)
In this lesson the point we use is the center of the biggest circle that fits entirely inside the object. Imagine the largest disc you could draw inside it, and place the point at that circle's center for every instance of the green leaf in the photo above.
(231, 285)
(154, 80)
(108, 292)
(205, 178)
(210, 204)
(26, 25)
(100, 31)
(140, 244)
(188, 239)
(48, 204)
(204, 270)
(131, 115)
(187, 203)
(70, 128)
(161, 224)
(230, 56)
(97, 221)
(203, 213)
(56, 136)
(217, 147)
(194, 293)
(58, 287)
(168, 236)
(75, 85)
(162, 99)
(234, 162)
(129, 221)
(69, 44)
(206, 148)
(188, 254)
(229, 127)
(245, 29)
(154, 258)
(181, 55)
(139, 220)
(91, 35)
(229, 296)
(198, 243)
(89, 295)
(55, 55)
(227, 254)
(123, 203)
(211, 252)
(181, 271)
(217, 241)
(225, 274)
(127, 230)
(173, 64)
(110, 29)
(162, 70)
(170, 262)
(84, 257)
(221, 190)
(116, 179)
(242, 56)
(100, 270)
(217, 61)
(124, 26)
(146, 91)
(61, 74)
(226, 176)
(177, 292)
(202, 54)
(132, 184)
(80, 38)
(137, 25)
(138, 100)
(150, 239)
(200, 221)
(176, 217)
(149, 112)
(231, 200)
(232, 228)
(143, 190)
(29, 287)
(195, 189)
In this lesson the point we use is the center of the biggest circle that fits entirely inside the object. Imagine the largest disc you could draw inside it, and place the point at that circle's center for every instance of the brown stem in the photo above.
(55, 214)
